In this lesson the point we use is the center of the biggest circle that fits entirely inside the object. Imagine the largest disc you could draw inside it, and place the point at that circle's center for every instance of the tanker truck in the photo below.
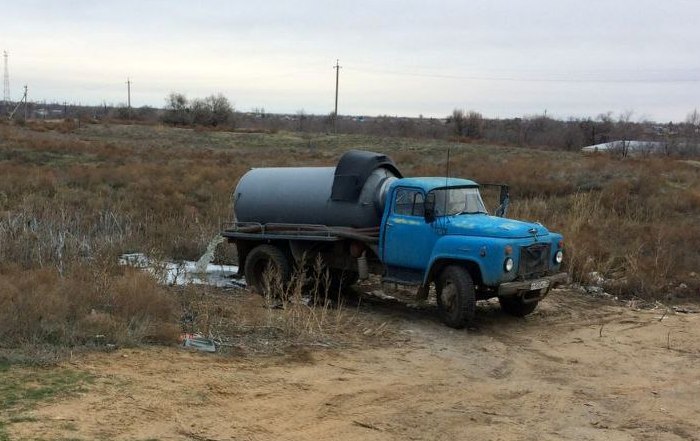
(363, 217)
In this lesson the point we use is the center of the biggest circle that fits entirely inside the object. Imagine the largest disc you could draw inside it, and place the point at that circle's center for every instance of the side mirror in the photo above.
(502, 210)
(503, 199)
(429, 208)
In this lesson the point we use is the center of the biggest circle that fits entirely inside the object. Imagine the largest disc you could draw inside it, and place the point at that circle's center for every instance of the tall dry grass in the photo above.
(312, 303)
(72, 200)
(40, 306)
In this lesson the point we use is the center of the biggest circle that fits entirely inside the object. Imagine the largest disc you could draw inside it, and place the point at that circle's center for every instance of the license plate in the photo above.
(540, 284)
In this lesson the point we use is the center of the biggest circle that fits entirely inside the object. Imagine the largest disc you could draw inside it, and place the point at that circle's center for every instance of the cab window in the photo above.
(409, 202)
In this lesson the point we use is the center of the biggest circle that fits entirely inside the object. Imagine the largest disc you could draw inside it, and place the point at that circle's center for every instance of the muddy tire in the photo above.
(456, 299)
(516, 307)
(267, 271)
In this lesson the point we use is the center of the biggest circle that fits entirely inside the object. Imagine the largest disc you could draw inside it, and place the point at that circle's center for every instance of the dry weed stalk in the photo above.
(311, 304)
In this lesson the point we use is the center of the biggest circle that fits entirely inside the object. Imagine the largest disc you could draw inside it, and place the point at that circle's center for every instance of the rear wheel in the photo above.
(515, 306)
(342, 279)
(331, 283)
(456, 299)
(267, 271)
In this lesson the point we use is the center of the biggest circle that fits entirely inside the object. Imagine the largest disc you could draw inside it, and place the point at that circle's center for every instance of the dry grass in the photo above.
(39, 306)
(313, 306)
(72, 199)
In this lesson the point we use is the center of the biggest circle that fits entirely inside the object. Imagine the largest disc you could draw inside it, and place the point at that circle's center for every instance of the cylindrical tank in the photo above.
(351, 194)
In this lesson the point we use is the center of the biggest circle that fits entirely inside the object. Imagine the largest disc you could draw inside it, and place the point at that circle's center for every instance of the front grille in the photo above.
(534, 260)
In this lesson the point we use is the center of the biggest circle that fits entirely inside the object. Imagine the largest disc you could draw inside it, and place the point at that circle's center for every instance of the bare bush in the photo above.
(214, 111)
(177, 110)
(40, 306)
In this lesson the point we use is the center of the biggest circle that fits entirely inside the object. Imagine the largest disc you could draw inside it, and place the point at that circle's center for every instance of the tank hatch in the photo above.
(353, 169)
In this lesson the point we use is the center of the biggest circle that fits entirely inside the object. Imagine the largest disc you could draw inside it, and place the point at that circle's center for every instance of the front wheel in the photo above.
(515, 306)
(456, 299)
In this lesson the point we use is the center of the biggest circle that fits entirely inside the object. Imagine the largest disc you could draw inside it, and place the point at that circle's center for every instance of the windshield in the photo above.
(451, 201)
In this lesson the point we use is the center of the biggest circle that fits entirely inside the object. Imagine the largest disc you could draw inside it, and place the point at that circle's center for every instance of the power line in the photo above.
(524, 80)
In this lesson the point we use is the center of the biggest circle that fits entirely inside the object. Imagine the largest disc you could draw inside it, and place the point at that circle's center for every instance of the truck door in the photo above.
(408, 238)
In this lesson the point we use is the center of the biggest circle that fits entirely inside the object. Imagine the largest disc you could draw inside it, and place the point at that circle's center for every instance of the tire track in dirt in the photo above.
(554, 375)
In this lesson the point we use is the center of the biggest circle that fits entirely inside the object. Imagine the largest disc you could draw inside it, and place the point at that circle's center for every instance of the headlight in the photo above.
(559, 257)
(508, 264)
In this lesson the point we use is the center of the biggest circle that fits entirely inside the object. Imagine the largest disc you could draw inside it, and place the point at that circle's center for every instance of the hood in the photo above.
(491, 226)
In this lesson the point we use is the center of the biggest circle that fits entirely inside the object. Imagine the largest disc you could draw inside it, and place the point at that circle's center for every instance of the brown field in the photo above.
(73, 199)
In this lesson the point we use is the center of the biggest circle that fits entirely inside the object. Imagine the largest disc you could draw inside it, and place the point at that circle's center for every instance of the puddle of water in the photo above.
(201, 272)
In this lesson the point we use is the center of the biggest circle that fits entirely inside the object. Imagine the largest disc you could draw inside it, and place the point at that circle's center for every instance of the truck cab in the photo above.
(438, 230)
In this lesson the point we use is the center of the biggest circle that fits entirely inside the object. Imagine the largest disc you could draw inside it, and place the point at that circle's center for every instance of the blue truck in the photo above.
(363, 217)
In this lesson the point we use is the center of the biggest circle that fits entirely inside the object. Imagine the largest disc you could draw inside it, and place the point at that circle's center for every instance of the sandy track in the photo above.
(555, 375)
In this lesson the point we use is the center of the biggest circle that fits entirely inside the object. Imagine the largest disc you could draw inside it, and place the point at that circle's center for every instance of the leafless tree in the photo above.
(177, 110)
(301, 119)
(458, 121)
(625, 131)
(692, 133)
(221, 110)
(214, 110)
(474, 125)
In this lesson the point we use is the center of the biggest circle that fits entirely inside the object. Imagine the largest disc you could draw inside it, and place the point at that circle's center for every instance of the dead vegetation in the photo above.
(73, 199)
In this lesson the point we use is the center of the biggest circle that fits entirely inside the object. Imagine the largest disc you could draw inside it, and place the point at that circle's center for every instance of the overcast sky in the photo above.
(502, 58)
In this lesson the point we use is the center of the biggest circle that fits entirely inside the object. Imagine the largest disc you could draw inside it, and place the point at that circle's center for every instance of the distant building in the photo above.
(631, 147)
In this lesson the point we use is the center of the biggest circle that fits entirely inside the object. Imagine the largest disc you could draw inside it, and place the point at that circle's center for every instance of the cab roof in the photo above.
(431, 183)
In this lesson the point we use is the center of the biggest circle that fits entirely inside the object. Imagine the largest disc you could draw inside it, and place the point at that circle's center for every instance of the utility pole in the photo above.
(6, 83)
(25, 102)
(128, 91)
(335, 113)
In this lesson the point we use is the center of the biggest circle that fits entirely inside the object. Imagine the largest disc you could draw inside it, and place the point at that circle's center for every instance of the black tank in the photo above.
(352, 194)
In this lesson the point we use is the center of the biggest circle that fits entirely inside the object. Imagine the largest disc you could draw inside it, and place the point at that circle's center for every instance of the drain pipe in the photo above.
(362, 268)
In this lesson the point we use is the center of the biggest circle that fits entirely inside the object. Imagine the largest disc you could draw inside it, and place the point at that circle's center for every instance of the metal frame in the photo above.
(278, 231)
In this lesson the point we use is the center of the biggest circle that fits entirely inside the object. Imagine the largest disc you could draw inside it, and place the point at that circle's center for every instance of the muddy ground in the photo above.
(579, 368)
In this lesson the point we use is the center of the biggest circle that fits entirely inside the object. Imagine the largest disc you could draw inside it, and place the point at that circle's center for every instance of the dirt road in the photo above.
(577, 369)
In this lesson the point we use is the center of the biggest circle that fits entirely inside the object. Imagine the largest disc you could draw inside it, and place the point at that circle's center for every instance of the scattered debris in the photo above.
(596, 279)
(366, 425)
(382, 295)
(198, 342)
(685, 310)
(597, 284)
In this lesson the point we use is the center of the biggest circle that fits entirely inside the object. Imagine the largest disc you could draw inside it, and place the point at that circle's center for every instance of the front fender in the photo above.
(487, 255)
(456, 248)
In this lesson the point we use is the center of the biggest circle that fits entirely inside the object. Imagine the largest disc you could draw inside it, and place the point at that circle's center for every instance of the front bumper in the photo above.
(532, 290)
